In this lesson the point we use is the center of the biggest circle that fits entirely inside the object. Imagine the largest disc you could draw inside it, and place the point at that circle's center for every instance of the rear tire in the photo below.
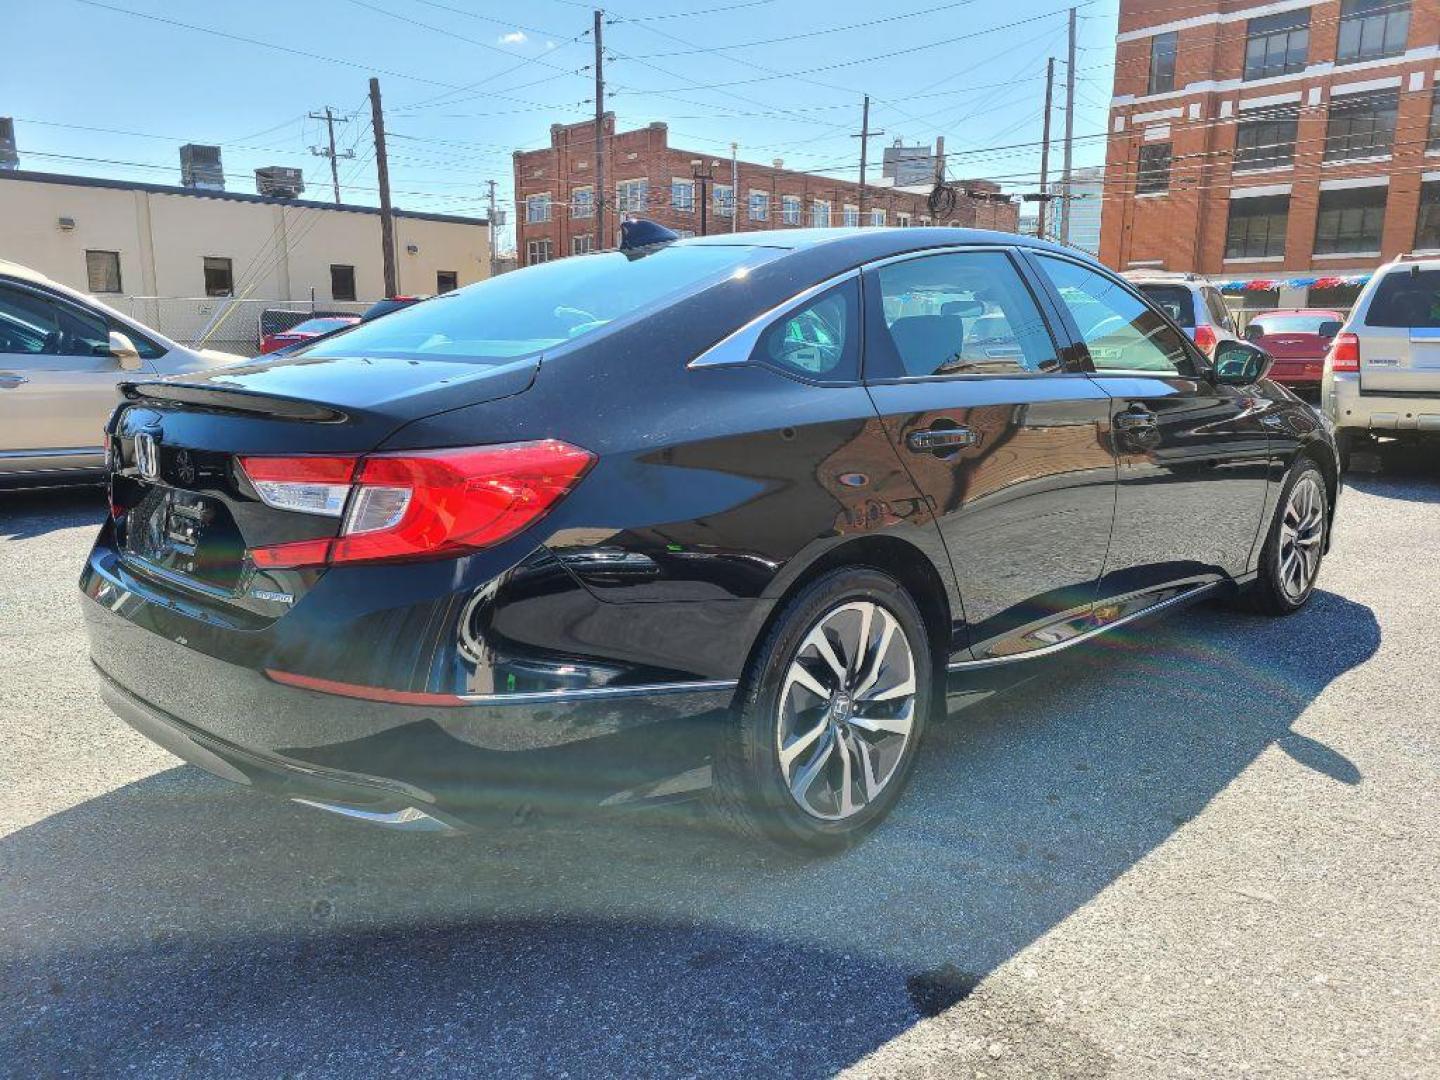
(829, 716)
(1295, 547)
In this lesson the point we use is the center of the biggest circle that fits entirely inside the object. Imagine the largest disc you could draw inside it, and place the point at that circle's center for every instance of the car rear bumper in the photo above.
(1298, 372)
(1351, 407)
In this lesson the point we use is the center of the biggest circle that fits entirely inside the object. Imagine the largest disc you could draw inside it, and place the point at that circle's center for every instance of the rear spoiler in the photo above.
(231, 401)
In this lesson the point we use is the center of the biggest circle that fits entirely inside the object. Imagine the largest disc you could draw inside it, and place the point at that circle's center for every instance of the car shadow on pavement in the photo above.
(1399, 472)
(25, 514)
(182, 925)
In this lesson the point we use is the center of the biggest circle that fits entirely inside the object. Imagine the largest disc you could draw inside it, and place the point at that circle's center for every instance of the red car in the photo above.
(1298, 339)
(310, 328)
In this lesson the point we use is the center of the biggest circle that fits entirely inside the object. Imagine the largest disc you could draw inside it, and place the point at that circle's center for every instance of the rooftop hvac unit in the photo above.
(281, 181)
(200, 167)
(9, 155)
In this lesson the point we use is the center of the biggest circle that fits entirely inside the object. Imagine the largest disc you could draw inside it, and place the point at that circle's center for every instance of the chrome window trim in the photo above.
(736, 348)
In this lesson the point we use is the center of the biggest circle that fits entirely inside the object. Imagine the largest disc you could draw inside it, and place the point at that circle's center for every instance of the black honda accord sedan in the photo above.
(736, 515)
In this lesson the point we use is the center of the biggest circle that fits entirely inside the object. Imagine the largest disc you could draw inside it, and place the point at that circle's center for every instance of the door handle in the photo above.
(1135, 419)
(932, 439)
(9, 380)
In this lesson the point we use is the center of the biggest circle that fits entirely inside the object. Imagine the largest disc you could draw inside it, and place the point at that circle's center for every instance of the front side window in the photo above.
(102, 271)
(219, 277)
(1120, 330)
(1277, 44)
(1427, 224)
(682, 195)
(342, 282)
(1361, 125)
(790, 209)
(1267, 140)
(1351, 220)
(28, 325)
(1370, 29)
(631, 196)
(759, 206)
(818, 341)
(1256, 229)
(960, 313)
(1162, 62)
(544, 306)
(1153, 177)
(582, 203)
(537, 209)
(819, 214)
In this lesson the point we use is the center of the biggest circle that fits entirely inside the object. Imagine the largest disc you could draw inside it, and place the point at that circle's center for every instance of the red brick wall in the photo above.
(645, 153)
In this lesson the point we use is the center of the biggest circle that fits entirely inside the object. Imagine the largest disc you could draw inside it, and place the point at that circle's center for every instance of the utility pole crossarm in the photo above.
(329, 117)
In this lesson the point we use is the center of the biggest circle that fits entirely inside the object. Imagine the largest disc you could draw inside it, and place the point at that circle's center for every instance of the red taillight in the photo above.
(1344, 353)
(417, 505)
(1205, 338)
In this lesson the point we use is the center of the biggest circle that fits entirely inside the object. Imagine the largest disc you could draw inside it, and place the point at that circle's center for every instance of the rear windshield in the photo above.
(1406, 298)
(1291, 324)
(530, 310)
(320, 326)
(1175, 300)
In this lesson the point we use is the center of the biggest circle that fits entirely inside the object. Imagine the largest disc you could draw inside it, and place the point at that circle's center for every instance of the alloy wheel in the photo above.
(846, 710)
(1302, 534)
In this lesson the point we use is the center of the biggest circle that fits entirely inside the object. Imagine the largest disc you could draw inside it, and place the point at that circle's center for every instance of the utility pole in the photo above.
(735, 187)
(1045, 146)
(702, 176)
(382, 168)
(1069, 133)
(329, 117)
(864, 137)
(601, 237)
(491, 185)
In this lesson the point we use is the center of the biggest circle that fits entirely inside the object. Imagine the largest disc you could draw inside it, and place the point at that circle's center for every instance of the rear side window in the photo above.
(817, 341)
(1406, 298)
(541, 307)
(1175, 300)
(961, 313)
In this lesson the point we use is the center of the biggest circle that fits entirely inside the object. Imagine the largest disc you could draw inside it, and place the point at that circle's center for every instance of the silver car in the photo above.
(62, 354)
(1195, 304)
(1382, 373)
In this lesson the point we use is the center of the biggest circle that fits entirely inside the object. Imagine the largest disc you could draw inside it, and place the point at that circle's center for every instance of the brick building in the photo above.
(1256, 140)
(646, 176)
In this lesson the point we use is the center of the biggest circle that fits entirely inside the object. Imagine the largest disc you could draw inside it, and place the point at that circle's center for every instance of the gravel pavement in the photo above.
(1210, 847)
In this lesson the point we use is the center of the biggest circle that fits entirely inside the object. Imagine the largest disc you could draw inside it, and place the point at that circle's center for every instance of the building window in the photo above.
(582, 245)
(1427, 225)
(1370, 29)
(446, 281)
(537, 252)
(1351, 220)
(819, 214)
(790, 209)
(102, 271)
(1267, 140)
(1154, 175)
(342, 282)
(683, 233)
(1277, 44)
(723, 196)
(902, 220)
(537, 209)
(682, 196)
(1433, 142)
(1257, 227)
(582, 203)
(631, 195)
(850, 216)
(1361, 125)
(1162, 63)
(219, 278)
(759, 205)
(877, 218)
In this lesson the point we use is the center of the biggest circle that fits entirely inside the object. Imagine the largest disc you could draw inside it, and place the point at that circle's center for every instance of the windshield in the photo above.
(540, 307)
(1175, 300)
(1407, 298)
(320, 326)
(1293, 324)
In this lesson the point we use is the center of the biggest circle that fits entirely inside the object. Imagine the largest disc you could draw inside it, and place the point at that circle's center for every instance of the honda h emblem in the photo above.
(147, 456)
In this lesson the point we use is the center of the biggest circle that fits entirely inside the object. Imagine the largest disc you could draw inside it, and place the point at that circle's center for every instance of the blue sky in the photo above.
(465, 83)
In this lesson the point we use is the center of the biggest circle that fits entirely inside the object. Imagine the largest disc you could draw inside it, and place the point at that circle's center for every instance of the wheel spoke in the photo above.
(805, 779)
(899, 724)
(867, 768)
(821, 641)
(878, 659)
(858, 654)
(798, 674)
(847, 798)
(901, 689)
(798, 745)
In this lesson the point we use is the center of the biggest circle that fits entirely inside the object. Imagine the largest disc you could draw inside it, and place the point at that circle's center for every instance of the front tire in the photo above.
(830, 714)
(1290, 560)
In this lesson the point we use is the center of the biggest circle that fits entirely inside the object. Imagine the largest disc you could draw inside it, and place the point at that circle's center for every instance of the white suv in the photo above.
(1192, 301)
(1382, 373)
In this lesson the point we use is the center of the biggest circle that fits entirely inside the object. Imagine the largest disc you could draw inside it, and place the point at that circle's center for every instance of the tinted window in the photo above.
(1406, 298)
(82, 332)
(1175, 300)
(541, 307)
(27, 324)
(818, 340)
(963, 313)
(1121, 332)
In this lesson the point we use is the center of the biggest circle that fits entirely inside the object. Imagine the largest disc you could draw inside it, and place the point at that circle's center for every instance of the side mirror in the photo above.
(1329, 328)
(123, 350)
(1238, 363)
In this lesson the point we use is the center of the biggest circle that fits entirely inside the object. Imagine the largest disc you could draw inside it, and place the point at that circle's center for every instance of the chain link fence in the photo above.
(226, 323)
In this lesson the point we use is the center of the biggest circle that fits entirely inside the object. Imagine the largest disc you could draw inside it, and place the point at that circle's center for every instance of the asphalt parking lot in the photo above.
(1211, 847)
